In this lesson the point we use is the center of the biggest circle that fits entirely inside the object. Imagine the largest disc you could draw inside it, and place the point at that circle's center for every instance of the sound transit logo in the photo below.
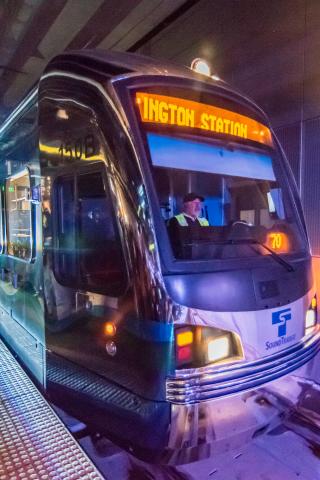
(280, 318)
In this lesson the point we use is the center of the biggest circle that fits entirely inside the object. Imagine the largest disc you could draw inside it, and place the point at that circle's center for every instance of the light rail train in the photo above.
(144, 333)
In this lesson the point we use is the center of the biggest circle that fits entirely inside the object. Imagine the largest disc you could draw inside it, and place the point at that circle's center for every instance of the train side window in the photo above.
(18, 210)
(89, 254)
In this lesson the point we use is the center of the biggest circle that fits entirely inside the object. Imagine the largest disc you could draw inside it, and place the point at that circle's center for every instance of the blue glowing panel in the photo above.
(198, 156)
(36, 193)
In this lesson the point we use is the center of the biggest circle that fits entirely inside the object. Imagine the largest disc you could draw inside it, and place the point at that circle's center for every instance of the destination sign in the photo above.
(179, 112)
(278, 241)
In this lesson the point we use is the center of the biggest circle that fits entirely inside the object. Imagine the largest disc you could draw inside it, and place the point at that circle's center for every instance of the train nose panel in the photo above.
(198, 385)
(262, 332)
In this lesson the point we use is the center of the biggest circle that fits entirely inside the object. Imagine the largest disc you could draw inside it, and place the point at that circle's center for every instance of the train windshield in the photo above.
(221, 188)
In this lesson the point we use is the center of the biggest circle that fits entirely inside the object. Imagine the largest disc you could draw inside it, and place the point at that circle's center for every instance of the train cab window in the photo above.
(18, 207)
(88, 254)
(244, 203)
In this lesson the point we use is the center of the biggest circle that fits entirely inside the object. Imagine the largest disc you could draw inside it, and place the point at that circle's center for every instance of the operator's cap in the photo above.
(192, 196)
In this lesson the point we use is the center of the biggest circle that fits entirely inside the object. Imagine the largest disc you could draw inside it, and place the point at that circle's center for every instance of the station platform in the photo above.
(34, 443)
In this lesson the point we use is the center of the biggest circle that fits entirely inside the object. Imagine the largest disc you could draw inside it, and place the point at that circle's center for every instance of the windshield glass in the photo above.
(219, 197)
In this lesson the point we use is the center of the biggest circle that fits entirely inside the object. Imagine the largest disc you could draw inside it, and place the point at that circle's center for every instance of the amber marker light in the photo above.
(184, 338)
(110, 329)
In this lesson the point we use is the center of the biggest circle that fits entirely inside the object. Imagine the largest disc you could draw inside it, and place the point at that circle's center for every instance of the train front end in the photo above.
(237, 275)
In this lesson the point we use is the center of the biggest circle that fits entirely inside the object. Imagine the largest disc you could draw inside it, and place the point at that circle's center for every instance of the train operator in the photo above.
(189, 218)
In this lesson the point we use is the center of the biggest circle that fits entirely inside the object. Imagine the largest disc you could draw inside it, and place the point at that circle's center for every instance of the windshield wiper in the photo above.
(273, 254)
(247, 241)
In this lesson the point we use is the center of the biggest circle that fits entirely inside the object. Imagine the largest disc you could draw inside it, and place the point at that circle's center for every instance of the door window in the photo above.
(19, 216)
(88, 253)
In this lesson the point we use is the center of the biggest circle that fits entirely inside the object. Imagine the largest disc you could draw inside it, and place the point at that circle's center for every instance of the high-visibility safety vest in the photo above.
(183, 222)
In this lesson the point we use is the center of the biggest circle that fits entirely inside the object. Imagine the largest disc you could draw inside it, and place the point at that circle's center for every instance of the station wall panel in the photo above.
(310, 181)
(289, 138)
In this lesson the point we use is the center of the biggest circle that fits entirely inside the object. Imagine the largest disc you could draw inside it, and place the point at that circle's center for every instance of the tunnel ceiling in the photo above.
(266, 48)
(33, 31)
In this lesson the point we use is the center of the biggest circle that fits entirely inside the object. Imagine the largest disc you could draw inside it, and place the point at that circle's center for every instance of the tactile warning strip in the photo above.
(34, 443)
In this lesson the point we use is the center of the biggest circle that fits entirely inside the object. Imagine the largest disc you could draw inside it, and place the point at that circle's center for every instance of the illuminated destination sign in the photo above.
(187, 113)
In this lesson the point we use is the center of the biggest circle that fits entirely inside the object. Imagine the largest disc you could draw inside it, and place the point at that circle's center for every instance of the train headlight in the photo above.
(198, 346)
(218, 349)
(311, 316)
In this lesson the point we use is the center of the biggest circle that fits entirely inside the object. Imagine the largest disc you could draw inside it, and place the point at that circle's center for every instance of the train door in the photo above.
(85, 271)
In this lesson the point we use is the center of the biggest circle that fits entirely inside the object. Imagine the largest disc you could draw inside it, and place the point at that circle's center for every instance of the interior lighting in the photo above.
(200, 66)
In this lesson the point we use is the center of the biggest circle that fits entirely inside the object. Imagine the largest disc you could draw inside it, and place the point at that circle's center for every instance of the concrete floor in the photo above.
(287, 449)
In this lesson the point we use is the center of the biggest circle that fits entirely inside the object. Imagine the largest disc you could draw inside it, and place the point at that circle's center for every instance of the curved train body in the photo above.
(143, 335)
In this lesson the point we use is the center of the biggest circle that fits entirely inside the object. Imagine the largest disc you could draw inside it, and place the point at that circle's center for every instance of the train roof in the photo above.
(116, 64)
(112, 64)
